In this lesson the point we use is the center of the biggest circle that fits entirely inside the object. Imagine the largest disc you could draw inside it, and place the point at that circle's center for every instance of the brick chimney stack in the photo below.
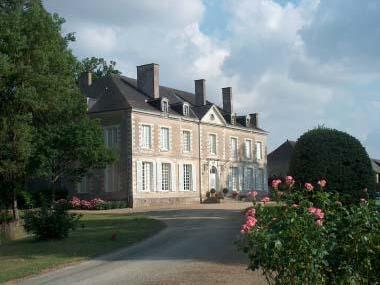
(148, 79)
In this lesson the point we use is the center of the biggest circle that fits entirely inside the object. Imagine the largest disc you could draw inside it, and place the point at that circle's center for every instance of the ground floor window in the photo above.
(187, 177)
(111, 178)
(147, 176)
(234, 173)
(82, 186)
(260, 179)
(166, 183)
(248, 179)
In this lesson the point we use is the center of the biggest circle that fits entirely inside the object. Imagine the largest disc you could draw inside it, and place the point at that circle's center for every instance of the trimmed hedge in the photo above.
(336, 156)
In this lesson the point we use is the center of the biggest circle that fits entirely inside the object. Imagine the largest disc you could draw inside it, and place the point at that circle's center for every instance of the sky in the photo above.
(299, 64)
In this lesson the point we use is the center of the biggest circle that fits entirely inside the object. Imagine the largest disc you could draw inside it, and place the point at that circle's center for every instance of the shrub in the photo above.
(335, 156)
(225, 191)
(212, 191)
(313, 238)
(50, 223)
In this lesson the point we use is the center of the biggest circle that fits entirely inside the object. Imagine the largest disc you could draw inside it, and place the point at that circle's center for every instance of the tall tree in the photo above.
(40, 104)
(99, 67)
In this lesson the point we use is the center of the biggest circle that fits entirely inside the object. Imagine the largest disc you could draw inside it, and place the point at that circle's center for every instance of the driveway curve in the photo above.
(197, 247)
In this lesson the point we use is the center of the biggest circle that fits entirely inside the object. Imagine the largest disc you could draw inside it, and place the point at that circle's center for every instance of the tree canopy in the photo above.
(336, 156)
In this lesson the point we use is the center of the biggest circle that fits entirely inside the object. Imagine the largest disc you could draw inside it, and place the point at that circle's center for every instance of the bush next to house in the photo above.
(335, 156)
(94, 204)
(311, 237)
(48, 223)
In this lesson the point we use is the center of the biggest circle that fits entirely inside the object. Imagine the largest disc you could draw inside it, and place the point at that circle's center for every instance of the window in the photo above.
(147, 176)
(212, 143)
(377, 178)
(234, 147)
(234, 178)
(165, 142)
(146, 136)
(186, 144)
(248, 179)
(260, 179)
(111, 136)
(247, 122)
(259, 150)
(233, 119)
(165, 106)
(111, 178)
(187, 177)
(248, 149)
(166, 184)
(186, 110)
(82, 186)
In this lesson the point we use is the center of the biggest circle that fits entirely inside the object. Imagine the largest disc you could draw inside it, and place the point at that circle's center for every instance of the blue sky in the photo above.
(300, 63)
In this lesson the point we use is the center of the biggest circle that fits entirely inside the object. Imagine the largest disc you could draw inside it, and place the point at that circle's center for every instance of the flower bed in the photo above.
(311, 237)
(94, 204)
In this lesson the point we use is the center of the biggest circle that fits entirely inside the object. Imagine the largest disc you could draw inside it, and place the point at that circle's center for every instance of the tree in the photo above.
(99, 67)
(335, 156)
(40, 103)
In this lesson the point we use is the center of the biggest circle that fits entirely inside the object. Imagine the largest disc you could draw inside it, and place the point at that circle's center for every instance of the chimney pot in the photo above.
(227, 99)
(200, 92)
(148, 79)
(255, 120)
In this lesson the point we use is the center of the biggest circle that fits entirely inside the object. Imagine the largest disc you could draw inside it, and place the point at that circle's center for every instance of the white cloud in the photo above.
(299, 65)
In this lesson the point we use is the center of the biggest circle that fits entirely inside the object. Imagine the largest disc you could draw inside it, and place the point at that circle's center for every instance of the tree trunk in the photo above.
(16, 215)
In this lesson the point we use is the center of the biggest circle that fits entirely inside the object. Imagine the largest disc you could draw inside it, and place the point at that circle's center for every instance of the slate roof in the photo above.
(117, 92)
(375, 165)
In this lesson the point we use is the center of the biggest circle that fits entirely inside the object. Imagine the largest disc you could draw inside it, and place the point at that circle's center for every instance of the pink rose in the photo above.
(252, 194)
(265, 200)
(322, 183)
(250, 212)
(275, 183)
(319, 223)
(289, 180)
(309, 187)
(295, 206)
(362, 200)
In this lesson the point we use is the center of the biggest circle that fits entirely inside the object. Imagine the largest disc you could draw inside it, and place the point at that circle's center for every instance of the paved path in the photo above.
(196, 248)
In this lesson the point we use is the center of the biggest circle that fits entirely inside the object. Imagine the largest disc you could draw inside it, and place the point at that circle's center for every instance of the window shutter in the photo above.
(180, 172)
(159, 176)
(139, 175)
(153, 189)
(241, 177)
(174, 176)
(194, 176)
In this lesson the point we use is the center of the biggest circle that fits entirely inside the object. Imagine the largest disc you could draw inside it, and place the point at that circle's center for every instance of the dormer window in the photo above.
(186, 109)
(233, 119)
(165, 105)
(247, 121)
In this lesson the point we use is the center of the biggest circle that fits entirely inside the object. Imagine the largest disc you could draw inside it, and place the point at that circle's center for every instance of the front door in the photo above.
(213, 178)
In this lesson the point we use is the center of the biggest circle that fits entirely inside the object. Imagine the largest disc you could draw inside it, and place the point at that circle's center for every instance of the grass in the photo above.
(25, 257)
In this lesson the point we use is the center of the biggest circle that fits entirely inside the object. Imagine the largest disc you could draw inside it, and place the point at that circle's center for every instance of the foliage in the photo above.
(94, 204)
(50, 223)
(44, 128)
(311, 237)
(99, 67)
(336, 156)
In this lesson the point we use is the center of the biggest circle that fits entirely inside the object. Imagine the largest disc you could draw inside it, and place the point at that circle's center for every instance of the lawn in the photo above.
(94, 236)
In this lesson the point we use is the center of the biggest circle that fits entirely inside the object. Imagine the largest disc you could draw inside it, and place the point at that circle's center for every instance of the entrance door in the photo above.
(213, 178)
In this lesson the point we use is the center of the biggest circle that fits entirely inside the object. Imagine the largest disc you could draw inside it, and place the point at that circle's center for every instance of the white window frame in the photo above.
(166, 186)
(143, 140)
(184, 149)
(234, 154)
(259, 179)
(164, 147)
(234, 172)
(188, 180)
(186, 109)
(259, 150)
(213, 147)
(248, 152)
(249, 183)
(165, 105)
(151, 177)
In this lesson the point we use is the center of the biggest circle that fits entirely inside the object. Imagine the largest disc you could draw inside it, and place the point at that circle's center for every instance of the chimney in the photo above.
(227, 99)
(89, 78)
(254, 120)
(148, 79)
(200, 92)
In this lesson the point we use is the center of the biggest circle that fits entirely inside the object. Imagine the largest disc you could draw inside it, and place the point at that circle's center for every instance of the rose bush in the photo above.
(94, 204)
(311, 237)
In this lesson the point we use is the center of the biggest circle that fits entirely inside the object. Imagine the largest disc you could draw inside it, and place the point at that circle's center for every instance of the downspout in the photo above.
(199, 162)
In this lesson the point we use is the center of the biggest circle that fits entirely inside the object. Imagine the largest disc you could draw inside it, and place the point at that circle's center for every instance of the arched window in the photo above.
(186, 109)
(165, 105)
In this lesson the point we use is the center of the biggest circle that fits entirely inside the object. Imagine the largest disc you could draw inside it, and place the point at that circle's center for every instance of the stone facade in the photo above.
(151, 170)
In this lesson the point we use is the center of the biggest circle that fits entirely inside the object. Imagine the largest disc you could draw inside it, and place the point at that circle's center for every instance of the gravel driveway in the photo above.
(197, 247)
